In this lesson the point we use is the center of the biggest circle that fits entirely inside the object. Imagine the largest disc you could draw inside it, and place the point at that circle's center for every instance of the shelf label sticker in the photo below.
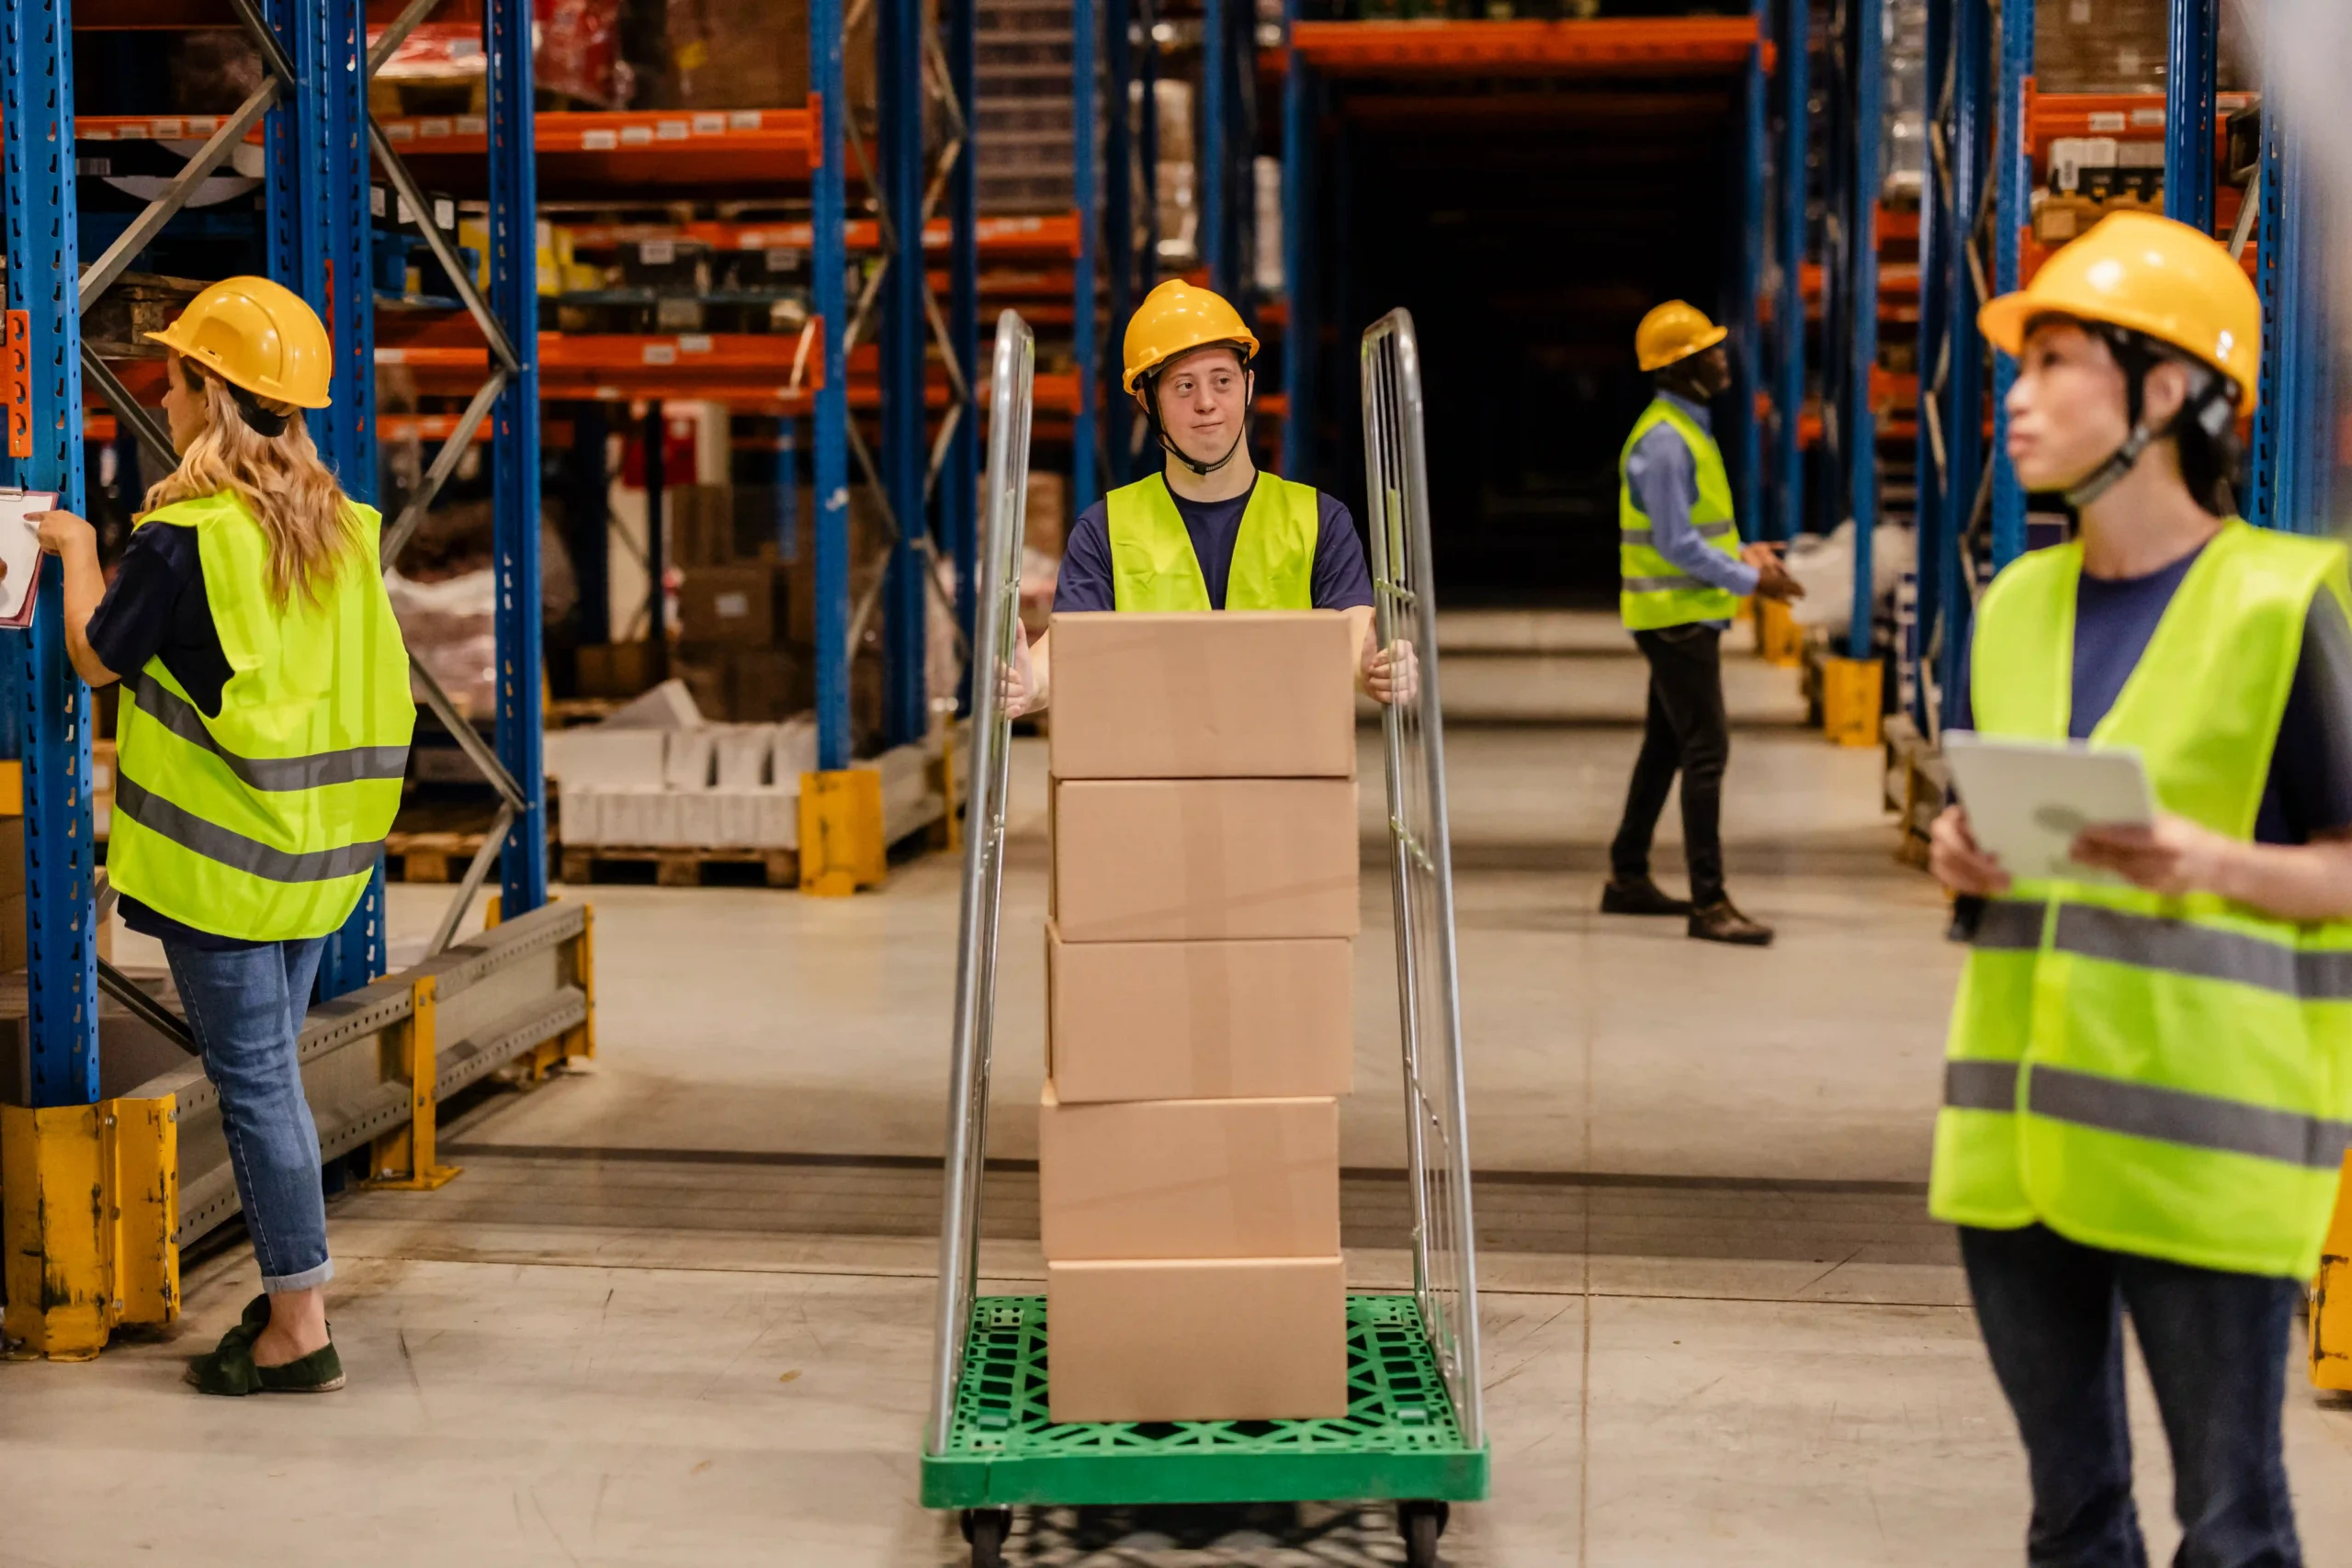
(2149, 119)
(637, 136)
(95, 133)
(472, 125)
(2110, 120)
(710, 125)
(657, 252)
(659, 354)
(399, 130)
(743, 120)
(203, 124)
(669, 130)
(436, 127)
(598, 141)
(694, 342)
(166, 129)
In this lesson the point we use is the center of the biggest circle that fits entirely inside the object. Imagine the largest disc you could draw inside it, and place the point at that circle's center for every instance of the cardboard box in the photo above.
(620, 669)
(1199, 1019)
(1191, 860)
(1188, 1178)
(1206, 695)
(743, 605)
(1232, 1340)
(702, 525)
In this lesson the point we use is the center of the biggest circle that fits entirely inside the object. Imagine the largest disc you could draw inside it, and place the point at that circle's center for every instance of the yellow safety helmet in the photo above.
(1175, 318)
(2151, 276)
(1675, 330)
(258, 336)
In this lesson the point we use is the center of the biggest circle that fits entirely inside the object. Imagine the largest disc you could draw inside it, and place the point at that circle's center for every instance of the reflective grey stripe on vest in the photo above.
(189, 831)
(1664, 584)
(2008, 925)
(2197, 1120)
(316, 771)
(2177, 947)
(1971, 1085)
(1705, 531)
(2147, 1110)
(2324, 977)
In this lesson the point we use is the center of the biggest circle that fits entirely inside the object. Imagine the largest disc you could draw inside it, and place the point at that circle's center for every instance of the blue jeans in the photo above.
(246, 1007)
(2215, 1344)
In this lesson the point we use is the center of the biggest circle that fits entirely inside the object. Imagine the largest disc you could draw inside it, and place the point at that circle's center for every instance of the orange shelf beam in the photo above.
(1049, 238)
(1616, 45)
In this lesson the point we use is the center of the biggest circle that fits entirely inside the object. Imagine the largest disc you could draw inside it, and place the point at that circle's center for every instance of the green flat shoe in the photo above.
(227, 1369)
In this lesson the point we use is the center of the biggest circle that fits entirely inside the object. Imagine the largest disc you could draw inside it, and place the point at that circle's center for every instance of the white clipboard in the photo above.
(20, 551)
(2028, 800)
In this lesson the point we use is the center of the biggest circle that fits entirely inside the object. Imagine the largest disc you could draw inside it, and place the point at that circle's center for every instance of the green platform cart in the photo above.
(1414, 1434)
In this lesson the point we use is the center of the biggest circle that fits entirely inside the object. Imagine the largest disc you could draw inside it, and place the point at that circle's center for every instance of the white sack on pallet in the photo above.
(669, 705)
(742, 755)
(600, 757)
(449, 631)
(691, 757)
(1824, 565)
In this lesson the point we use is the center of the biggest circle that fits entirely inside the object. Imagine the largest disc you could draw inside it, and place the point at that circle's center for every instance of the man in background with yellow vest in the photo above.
(1683, 572)
(1209, 531)
(2149, 1084)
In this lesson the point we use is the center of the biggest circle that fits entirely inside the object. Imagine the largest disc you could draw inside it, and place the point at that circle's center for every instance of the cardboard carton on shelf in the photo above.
(744, 606)
(1188, 1178)
(1199, 1019)
(1230, 1339)
(1268, 694)
(1190, 860)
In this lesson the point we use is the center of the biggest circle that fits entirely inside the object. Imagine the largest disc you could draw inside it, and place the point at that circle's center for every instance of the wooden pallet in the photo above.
(429, 857)
(676, 867)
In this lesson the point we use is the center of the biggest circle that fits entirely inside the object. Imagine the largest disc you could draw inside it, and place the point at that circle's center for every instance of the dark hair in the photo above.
(2210, 466)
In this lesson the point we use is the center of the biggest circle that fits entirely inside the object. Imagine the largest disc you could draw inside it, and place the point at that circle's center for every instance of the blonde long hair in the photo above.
(307, 521)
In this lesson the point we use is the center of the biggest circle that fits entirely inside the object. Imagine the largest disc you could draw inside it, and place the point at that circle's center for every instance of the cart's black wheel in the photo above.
(1421, 1523)
(987, 1529)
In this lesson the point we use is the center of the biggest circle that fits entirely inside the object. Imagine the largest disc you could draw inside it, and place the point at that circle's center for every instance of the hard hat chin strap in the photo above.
(2210, 404)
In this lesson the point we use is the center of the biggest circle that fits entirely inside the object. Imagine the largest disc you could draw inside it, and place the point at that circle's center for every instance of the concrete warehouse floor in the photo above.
(642, 1329)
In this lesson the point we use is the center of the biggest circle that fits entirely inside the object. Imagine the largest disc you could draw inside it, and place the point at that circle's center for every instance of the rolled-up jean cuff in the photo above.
(307, 1280)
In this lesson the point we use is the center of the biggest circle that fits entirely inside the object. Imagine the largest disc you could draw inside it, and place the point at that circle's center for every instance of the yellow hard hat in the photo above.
(259, 335)
(1675, 329)
(2151, 276)
(1176, 317)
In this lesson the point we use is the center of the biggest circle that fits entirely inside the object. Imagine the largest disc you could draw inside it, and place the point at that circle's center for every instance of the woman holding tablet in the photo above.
(2148, 1090)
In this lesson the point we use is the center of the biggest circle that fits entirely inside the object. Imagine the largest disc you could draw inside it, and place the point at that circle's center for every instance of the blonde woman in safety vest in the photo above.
(264, 726)
(2149, 1091)
(1209, 532)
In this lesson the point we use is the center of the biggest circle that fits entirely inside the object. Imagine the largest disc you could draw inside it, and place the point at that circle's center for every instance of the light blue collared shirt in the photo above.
(1664, 479)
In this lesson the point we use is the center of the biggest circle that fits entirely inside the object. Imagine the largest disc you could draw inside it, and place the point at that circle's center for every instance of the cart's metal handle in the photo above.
(999, 605)
(1445, 1274)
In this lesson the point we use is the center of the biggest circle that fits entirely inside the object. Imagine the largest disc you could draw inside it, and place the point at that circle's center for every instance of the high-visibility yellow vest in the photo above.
(2160, 1075)
(1652, 591)
(264, 821)
(1153, 566)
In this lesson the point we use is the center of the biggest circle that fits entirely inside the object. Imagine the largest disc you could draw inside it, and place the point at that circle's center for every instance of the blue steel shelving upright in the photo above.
(315, 149)
(35, 97)
(1851, 304)
(2012, 199)
(1792, 46)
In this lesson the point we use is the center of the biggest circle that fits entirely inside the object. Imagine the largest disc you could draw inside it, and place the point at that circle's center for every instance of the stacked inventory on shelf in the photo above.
(1199, 938)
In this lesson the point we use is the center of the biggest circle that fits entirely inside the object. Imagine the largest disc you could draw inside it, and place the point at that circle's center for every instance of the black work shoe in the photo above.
(1642, 898)
(1719, 921)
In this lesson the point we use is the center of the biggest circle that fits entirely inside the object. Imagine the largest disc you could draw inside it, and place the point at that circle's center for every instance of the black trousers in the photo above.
(1684, 732)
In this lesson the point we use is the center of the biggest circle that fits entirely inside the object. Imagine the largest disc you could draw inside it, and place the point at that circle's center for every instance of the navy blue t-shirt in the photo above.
(156, 607)
(1342, 580)
(2310, 788)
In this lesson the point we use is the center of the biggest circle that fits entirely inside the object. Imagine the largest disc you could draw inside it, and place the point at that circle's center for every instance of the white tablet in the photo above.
(2027, 800)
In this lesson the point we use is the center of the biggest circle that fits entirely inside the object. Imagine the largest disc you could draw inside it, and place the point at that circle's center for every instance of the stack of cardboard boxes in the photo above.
(1200, 1019)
